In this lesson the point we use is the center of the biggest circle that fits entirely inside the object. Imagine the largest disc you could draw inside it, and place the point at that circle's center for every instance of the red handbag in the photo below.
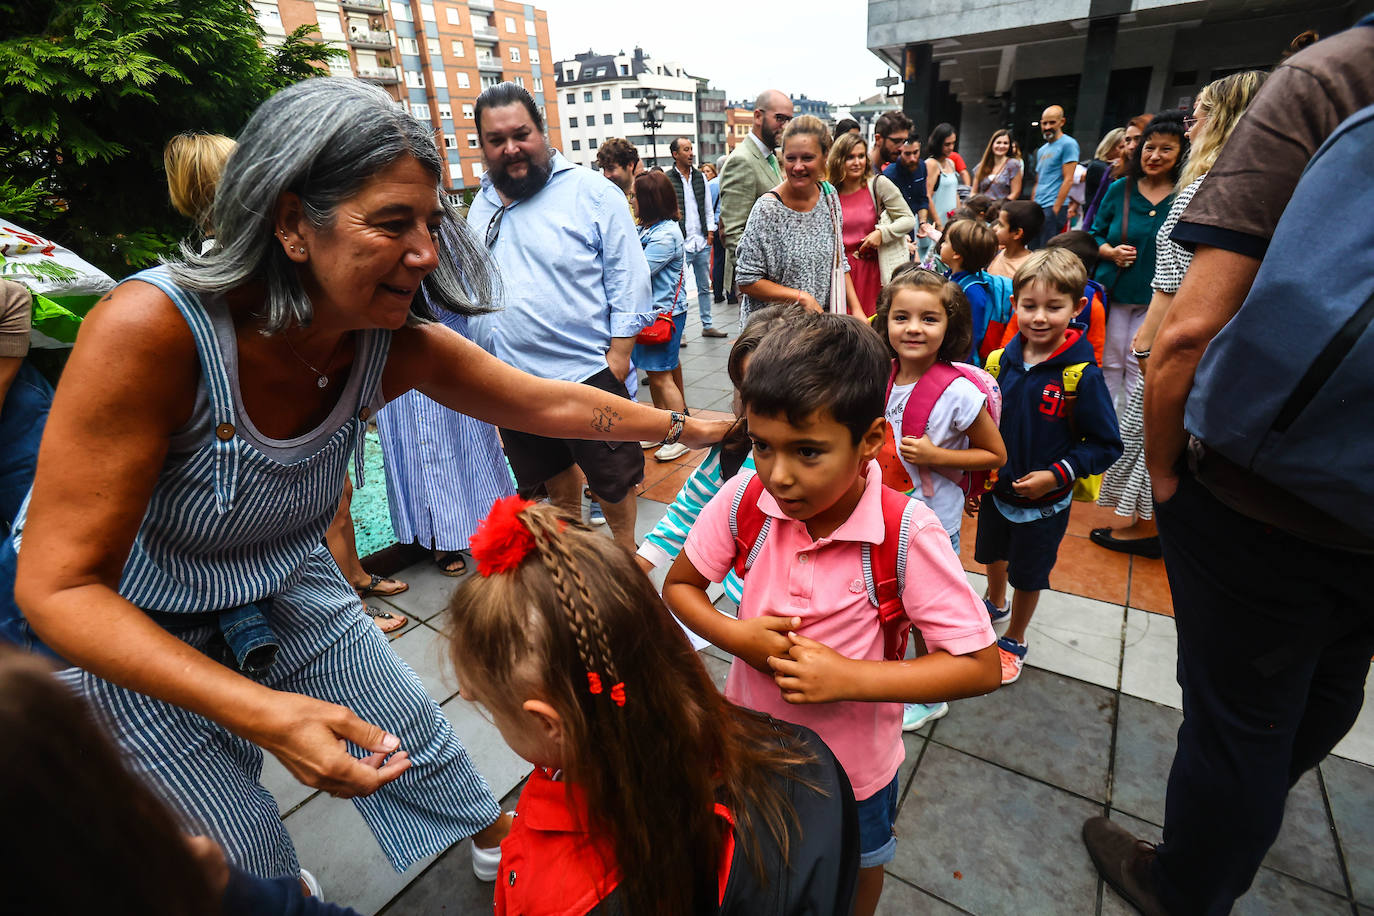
(660, 331)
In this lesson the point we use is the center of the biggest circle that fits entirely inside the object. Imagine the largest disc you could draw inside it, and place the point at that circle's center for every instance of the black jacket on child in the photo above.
(1040, 434)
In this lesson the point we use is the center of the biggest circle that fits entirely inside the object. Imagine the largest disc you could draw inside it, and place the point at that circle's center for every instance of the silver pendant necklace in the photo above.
(322, 378)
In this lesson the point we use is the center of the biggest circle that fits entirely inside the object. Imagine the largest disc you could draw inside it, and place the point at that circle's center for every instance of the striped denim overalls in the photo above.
(237, 518)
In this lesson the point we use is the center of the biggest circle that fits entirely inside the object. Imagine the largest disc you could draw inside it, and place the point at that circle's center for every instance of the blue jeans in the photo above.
(22, 418)
(1053, 224)
(701, 267)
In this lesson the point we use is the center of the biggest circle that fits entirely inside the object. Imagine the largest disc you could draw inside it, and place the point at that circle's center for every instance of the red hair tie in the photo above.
(593, 682)
(501, 542)
(618, 693)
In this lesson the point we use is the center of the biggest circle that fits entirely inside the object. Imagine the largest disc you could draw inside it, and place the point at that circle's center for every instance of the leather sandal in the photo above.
(380, 587)
(386, 621)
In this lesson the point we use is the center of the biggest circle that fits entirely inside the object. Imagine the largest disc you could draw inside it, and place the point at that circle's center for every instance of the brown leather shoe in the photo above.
(1124, 862)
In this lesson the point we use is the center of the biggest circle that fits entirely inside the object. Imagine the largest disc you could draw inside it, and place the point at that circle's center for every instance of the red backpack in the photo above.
(916, 416)
(884, 569)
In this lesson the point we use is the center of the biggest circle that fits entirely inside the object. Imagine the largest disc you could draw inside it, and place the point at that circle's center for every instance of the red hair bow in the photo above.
(501, 542)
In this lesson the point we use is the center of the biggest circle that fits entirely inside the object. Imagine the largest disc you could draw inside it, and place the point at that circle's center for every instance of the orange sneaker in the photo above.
(1013, 656)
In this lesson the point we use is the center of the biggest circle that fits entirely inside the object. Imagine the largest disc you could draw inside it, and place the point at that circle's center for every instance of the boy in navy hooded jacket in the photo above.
(1056, 431)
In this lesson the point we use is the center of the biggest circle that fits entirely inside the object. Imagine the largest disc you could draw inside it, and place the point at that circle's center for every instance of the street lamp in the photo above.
(650, 108)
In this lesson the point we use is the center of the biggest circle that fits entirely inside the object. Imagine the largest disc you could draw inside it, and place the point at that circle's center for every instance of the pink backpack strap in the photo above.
(916, 415)
(885, 572)
(748, 524)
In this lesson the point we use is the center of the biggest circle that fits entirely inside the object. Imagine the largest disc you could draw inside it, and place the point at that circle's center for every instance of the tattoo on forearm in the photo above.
(604, 419)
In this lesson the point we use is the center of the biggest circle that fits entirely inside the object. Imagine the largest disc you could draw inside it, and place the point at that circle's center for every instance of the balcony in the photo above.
(363, 38)
(488, 63)
(485, 6)
(484, 32)
(366, 6)
(379, 74)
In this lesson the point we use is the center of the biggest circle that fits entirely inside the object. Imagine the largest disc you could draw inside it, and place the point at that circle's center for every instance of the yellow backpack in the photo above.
(1085, 489)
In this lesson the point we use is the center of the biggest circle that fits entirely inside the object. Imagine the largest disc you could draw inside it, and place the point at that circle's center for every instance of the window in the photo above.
(608, 119)
(489, 81)
(445, 111)
(472, 141)
(591, 144)
(477, 170)
(520, 81)
(534, 55)
(459, 49)
(624, 69)
(433, 45)
(510, 24)
(441, 79)
(450, 141)
(529, 26)
(572, 122)
(572, 98)
(409, 46)
(427, 11)
(605, 95)
(571, 76)
(463, 82)
(415, 79)
(268, 15)
(577, 144)
(401, 12)
(515, 55)
(587, 96)
(339, 66)
(451, 14)
(538, 84)
(467, 112)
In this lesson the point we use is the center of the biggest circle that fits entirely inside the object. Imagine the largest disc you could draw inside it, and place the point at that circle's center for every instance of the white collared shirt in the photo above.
(694, 236)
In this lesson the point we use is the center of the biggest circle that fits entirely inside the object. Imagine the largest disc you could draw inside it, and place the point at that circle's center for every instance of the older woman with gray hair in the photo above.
(213, 405)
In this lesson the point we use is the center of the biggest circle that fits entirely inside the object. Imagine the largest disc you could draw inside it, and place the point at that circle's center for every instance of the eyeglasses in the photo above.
(1190, 123)
(494, 226)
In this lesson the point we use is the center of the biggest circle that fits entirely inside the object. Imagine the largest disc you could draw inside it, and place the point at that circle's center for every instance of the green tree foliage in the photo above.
(92, 90)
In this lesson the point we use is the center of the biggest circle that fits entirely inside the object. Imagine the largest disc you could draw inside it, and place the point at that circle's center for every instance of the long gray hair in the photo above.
(322, 139)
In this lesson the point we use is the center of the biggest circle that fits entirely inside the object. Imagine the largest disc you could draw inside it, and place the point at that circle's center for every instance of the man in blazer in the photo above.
(751, 171)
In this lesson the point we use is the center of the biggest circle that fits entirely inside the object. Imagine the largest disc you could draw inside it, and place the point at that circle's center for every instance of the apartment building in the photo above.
(739, 120)
(433, 58)
(598, 94)
(711, 127)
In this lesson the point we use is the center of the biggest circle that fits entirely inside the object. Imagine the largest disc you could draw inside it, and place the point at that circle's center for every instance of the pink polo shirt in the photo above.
(822, 583)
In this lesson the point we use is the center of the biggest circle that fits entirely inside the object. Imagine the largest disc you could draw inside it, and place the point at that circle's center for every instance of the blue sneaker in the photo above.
(997, 614)
(914, 715)
(594, 514)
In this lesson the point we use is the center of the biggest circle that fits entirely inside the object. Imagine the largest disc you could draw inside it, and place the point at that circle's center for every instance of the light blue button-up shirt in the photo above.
(572, 274)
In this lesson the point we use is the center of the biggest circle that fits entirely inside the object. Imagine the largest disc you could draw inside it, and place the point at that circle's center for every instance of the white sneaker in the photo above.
(645, 443)
(671, 452)
(313, 884)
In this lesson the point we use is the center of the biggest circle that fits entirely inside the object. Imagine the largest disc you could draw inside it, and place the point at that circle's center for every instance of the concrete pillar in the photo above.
(1092, 85)
(918, 98)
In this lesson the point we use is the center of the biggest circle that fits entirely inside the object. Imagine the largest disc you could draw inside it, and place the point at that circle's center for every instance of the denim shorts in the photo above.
(662, 357)
(877, 814)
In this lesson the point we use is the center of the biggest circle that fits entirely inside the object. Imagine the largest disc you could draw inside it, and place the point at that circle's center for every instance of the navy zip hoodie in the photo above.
(1036, 427)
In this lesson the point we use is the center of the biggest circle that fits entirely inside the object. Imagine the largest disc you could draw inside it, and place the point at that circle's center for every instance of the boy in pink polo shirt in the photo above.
(808, 644)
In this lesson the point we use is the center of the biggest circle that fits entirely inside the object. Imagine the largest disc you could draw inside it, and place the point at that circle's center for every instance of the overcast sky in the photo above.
(798, 47)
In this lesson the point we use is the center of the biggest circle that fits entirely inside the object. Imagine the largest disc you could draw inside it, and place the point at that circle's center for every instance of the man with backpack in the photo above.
(1261, 454)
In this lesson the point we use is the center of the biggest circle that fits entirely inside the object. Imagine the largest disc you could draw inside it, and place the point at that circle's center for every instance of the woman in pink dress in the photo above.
(876, 218)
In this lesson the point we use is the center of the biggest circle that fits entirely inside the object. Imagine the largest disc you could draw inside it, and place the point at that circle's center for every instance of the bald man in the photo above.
(751, 171)
(1055, 162)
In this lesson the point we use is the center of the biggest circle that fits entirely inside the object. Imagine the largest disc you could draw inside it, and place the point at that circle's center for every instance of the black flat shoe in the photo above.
(1140, 547)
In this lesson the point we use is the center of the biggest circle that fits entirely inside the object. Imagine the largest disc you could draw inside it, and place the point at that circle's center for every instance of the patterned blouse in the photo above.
(1171, 258)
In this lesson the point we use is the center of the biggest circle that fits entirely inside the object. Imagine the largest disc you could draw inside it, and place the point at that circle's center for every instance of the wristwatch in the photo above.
(675, 427)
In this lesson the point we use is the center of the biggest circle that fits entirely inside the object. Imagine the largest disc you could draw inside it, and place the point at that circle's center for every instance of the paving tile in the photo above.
(901, 899)
(1075, 636)
(334, 843)
(429, 590)
(1150, 665)
(718, 668)
(1358, 744)
(426, 651)
(1306, 845)
(1050, 727)
(722, 403)
(1272, 892)
(285, 788)
(914, 744)
(993, 828)
(1150, 587)
(1146, 735)
(499, 765)
(666, 488)
(1084, 517)
(1085, 569)
(1350, 787)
